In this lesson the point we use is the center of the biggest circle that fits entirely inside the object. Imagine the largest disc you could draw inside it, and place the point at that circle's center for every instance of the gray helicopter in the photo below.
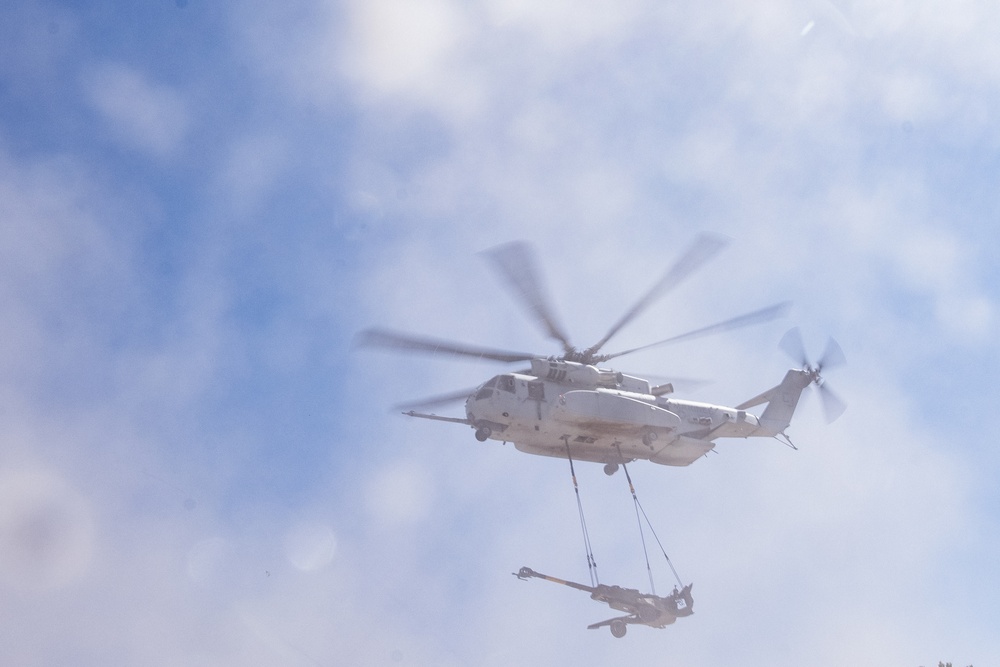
(571, 406)
(641, 608)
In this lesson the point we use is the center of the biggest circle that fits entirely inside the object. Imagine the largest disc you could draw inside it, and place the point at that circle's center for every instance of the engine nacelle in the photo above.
(572, 372)
(589, 407)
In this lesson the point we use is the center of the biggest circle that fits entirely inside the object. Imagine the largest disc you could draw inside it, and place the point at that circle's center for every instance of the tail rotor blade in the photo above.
(791, 344)
(833, 356)
(833, 407)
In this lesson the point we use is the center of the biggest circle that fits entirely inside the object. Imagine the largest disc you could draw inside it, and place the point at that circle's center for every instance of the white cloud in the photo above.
(936, 263)
(971, 317)
(310, 545)
(147, 116)
(400, 494)
(251, 170)
(400, 47)
(562, 136)
(930, 260)
(47, 531)
(62, 254)
(207, 560)
(562, 26)
(911, 97)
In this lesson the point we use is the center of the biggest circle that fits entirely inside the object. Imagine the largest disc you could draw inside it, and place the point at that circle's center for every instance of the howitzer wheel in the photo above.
(618, 628)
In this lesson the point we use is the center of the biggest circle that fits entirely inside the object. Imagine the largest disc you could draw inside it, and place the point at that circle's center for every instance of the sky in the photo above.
(202, 203)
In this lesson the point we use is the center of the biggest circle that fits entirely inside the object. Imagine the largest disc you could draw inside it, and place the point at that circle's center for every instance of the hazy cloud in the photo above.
(197, 469)
(147, 116)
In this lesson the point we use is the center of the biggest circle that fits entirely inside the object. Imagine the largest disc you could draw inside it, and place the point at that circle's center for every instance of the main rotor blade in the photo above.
(515, 262)
(791, 344)
(832, 357)
(704, 248)
(435, 401)
(400, 341)
(748, 319)
(833, 407)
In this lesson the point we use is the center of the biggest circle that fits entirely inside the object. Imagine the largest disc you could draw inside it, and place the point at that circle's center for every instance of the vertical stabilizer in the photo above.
(781, 402)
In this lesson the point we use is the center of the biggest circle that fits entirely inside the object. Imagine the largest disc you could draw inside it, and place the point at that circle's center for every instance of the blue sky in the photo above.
(202, 203)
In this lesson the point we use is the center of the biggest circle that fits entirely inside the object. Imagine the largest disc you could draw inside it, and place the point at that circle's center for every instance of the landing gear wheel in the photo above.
(649, 438)
(483, 433)
(618, 628)
(610, 469)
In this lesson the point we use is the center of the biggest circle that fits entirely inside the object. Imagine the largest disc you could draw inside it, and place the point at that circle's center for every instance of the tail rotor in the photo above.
(833, 356)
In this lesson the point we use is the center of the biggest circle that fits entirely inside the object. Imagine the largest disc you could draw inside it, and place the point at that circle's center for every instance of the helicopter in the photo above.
(642, 608)
(571, 406)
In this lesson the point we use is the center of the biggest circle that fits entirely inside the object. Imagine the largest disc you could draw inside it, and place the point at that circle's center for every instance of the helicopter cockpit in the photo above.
(500, 382)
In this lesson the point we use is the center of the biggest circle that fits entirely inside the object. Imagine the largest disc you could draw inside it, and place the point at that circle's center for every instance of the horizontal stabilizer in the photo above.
(758, 399)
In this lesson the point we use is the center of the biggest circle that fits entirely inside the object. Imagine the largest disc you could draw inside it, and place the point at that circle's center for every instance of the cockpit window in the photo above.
(506, 383)
(484, 392)
(492, 382)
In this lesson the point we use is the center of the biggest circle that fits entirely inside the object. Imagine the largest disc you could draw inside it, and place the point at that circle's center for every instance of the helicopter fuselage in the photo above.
(565, 408)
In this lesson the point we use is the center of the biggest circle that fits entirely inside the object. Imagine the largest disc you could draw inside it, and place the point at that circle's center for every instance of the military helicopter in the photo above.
(571, 406)
(642, 608)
